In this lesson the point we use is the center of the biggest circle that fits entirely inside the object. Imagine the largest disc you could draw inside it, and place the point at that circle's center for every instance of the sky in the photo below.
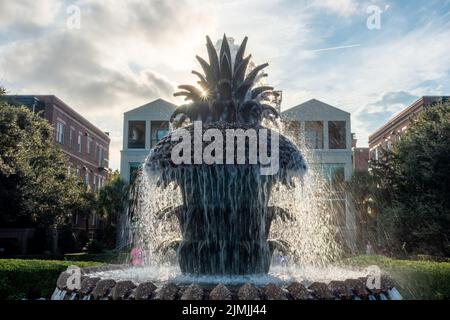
(371, 58)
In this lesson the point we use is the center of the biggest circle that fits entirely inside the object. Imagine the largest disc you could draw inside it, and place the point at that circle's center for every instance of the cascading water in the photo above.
(304, 229)
(229, 219)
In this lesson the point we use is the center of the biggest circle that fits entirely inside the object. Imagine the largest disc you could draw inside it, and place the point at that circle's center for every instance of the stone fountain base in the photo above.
(95, 288)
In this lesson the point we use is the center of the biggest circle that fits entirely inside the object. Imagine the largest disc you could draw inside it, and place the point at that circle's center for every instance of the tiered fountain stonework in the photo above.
(94, 287)
(225, 210)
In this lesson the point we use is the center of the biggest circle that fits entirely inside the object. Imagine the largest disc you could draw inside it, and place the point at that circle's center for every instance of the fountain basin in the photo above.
(121, 283)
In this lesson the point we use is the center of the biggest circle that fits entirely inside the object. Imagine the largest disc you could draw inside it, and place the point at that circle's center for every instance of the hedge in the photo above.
(416, 279)
(32, 279)
(107, 257)
(114, 257)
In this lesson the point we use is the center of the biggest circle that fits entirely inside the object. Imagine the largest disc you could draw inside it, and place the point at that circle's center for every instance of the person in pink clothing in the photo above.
(137, 257)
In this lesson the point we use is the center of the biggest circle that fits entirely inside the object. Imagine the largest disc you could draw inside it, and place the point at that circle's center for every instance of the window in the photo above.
(314, 134)
(292, 128)
(134, 168)
(389, 145)
(89, 145)
(60, 127)
(86, 178)
(100, 156)
(161, 133)
(337, 135)
(136, 134)
(337, 176)
(95, 183)
(71, 136)
(334, 174)
(78, 171)
(79, 146)
(159, 129)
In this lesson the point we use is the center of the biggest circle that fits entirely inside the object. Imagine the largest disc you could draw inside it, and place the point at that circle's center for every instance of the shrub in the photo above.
(106, 257)
(415, 207)
(95, 246)
(32, 279)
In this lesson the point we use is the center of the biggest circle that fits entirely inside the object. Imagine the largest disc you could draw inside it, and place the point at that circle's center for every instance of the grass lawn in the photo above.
(416, 279)
(32, 279)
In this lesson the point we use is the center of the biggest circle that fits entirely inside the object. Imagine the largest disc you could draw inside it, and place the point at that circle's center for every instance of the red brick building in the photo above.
(86, 146)
(360, 157)
(391, 132)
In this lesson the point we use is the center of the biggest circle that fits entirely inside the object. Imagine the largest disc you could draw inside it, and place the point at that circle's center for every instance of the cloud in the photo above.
(27, 16)
(343, 8)
(377, 113)
(393, 99)
(74, 68)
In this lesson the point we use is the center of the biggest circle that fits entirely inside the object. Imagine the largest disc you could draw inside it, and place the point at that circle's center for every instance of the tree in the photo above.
(110, 204)
(36, 188)
(417, 185)
(362, 187)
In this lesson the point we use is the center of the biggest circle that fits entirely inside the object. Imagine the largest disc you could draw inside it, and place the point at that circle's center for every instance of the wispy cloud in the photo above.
(335, 48)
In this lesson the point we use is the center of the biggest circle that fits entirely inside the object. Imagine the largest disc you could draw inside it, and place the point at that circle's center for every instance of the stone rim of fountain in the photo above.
(95, 288)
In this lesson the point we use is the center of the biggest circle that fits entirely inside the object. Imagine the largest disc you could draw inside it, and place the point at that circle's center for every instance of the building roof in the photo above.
(159, 106)
(406, 113)
(54, 99)
(312, 105)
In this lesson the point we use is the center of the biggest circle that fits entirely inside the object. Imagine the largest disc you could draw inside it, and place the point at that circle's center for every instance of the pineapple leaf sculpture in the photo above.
(226, 91)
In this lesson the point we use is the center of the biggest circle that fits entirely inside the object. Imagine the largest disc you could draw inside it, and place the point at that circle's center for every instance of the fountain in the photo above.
(219, 195)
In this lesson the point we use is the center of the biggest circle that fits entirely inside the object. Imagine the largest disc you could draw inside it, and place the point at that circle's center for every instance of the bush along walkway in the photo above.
(32, 279)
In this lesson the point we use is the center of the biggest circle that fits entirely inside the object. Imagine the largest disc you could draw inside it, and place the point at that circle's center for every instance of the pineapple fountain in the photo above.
(218, 197)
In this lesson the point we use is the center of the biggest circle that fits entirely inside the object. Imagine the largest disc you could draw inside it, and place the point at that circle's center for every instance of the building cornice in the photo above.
(403, 115)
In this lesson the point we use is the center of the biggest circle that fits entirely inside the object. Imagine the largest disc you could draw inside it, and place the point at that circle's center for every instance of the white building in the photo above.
(327, 131)
(143, 127)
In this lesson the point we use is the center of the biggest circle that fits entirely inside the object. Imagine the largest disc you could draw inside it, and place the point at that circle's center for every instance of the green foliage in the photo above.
(32, 279)
(362, 188)
(111, 202)
(415, 207)
(95, 246)
(35, 187)
(416, 279)
(111, 198)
